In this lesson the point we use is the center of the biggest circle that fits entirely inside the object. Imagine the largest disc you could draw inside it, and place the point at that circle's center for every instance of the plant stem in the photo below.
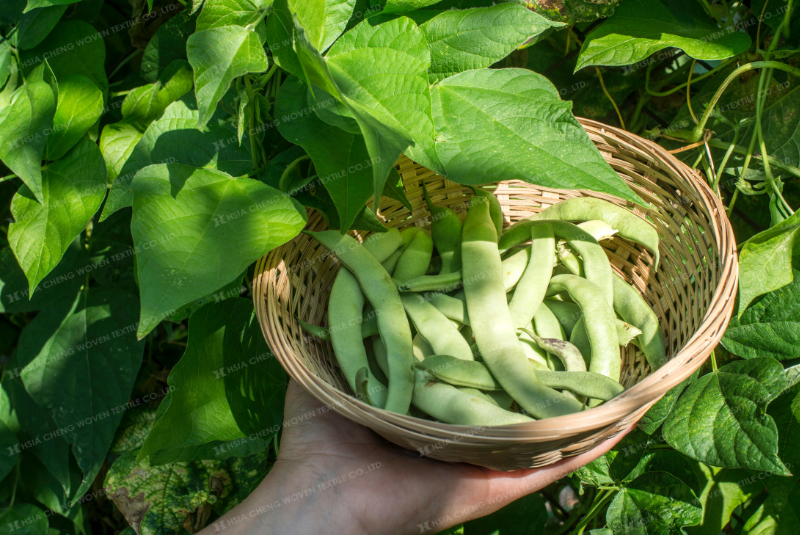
(773, 161)
(124, 62)
(678, 88)
(689, 91)
(721, 169)
(713, 361)
(599, 502)
(252, 133)
(261, 17)
(16, 482)
(8, 177)
(787, 30)
(603, 85)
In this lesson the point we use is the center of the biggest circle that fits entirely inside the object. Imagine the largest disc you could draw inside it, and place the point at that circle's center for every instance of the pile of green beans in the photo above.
(470, 325)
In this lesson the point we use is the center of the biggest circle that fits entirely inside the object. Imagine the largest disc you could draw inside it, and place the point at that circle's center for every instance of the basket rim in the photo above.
(646, 392)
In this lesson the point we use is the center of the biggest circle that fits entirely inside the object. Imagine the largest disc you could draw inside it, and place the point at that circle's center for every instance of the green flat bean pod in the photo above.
(415, 259)
(453, 308)
(422, 348)
(393, 324)
(344, 315)
(529, 291)
(458, 372)
(599, 230)
(495, 210)
(566, 313)
(382, 245)
(369, 389)
(497, 397)
(390, 263)
(599, 320)
(444, 282)
(453, 406)
(437, 330)
(379, 349)
(512, 269)
(626, 223)
(491, 321)
(369, 327)
(565, 351)
(633, 309)
(408, 235)
(446, 234)
(587, 384)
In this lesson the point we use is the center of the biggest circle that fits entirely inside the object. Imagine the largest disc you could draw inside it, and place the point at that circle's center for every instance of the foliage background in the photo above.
(153, 150)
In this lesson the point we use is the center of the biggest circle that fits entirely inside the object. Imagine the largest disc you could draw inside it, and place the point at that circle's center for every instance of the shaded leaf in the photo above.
(146, 103)
(656, 415)
(23, 519)
(10, 448)
(36, 25)
(33, 4)
(639, 28)
(80, 104)
(521, 517)
(167, 45)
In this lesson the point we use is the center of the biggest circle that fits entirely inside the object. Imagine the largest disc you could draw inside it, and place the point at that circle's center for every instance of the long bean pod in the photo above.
(393, 325)
(381, 245)
(529, 291)
(446, 234)
(491, 321)
(599, 320)
(435, 327)
(634, 309)
(415, 259)
(495, 210)
(628, 225)
(443, 282)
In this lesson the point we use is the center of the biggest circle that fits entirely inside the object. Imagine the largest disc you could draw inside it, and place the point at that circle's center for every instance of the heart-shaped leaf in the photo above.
(80, 104)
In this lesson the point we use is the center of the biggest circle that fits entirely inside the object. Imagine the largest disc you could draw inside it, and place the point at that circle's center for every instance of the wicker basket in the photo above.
(692, 293)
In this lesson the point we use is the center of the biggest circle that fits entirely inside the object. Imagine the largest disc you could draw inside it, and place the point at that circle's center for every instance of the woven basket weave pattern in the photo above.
(692, 293)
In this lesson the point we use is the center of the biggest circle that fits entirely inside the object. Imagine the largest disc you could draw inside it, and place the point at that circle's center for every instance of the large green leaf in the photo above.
(73, 47)
(341, 158)
(770, 327)
(225, 342)
(517, 114)
(6, 62)
(80, 104)
(218, 13)
(786, 412)
(720, 419)
(80, 360)
(175, 138)
(323, 20)
(218, 56)
(36, 25)
(461, 40)
(23, 519)
(167, 45)
(72, 189)
(655, 502)
(204, 228)
(146, 103)
(639, 28)
(765, 261)
(117, 142)
(10, 447)
(656, 415)
(725, 490)
(24, 125)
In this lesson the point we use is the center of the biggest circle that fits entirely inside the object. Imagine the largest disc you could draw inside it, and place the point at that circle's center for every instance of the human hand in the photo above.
(335, 476)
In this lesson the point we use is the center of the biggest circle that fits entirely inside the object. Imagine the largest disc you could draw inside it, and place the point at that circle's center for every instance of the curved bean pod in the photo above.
(382, 245)
(599, 230)
(567, 314)
(458, 372)
(627, 224)
(568, 353)
(495, 210)
(435, 328)
(446, 233)
(599, 321)
(381, 357)
(497, 397)
(392, 322)
(444, 282)
(529, 291)
(491, 322)
(422, 348)
(370, 390)
(415, 259)
(390, 263)
(344, 308)
(453, 406)
(586, 384)
(453, 308)
(408, 235)
(633, 309)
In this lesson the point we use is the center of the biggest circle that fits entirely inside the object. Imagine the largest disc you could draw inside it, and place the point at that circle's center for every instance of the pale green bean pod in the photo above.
(381, 245)
(415, 259)
(632, 308)
(446, 233)
(532, 285)
(437, 330)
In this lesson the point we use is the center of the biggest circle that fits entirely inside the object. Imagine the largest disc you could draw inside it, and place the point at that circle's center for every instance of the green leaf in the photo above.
(232, 289)
(227, 386)
(23, 132)
(64, 280)
(33, 4)
(81, 51)
(146, 103)
(323, 20)
(80, 360)
(770, 327)
(656, 415)
(404, 6)
(218, 13)
(36, 25)
(80, 104)
(639, 28)
(340, 158)
(725, 490)
(133, 429)
(117, 143)
(517, 113)
(477, 38)
(73, 189)
(765, 262)
(720, 419)
(10, 448)
(655, 502)
(23, 519)
(204, 227)
(521, 517)
(218, 56)
(383, 118)
(785, 410)
(6, 62)
(31, 424)
(160, 500)
(175, 138)
(246, 473)
(167, 45)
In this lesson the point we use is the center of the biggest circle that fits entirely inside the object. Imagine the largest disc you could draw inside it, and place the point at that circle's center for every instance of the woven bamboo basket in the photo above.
(692, 293)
